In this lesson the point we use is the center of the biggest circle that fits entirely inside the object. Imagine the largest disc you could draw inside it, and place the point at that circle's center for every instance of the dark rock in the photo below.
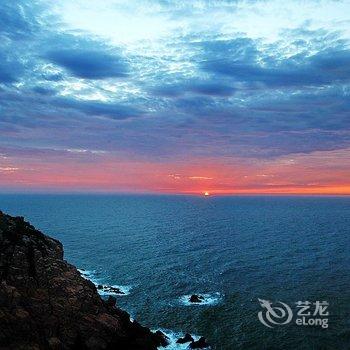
(186, 339)
(162, 338)
(113, 290)
(111, 301)
(100, 286)
(201, 343)
(45, 303)
(196, 298)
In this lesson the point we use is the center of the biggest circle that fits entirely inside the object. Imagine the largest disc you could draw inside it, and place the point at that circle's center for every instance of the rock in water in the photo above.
(46, 304)
(201, 343)
(186, 339)
(111, 289)
(196, 298)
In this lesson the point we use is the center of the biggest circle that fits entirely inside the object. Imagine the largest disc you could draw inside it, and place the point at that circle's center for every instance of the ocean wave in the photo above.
(87, 274)
(91, 275)
(209, 299)
(124, 289)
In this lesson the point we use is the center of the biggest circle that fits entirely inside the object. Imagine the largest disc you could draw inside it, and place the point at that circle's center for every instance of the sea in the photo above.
(274, 271)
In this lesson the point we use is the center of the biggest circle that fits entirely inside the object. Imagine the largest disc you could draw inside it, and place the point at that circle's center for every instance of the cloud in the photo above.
(18, 19)
(10, 68)
(19, 25)
(45, 108)
(43, 91)
(211, 89)
(194, 88)
(97, 108)
(90, 64)
(241, 61)
(200, 178)
(333, 63)
(199, 87)
(8, 169)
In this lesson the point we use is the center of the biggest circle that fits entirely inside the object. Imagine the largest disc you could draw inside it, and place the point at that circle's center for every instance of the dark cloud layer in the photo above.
(89, 64)
(238, 60)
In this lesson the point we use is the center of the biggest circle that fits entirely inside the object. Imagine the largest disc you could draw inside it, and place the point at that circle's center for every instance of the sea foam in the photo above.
(91, 275)
(210, 299)
(173, 337)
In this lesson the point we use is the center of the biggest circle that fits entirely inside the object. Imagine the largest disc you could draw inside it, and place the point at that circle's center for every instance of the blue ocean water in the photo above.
(233, 250)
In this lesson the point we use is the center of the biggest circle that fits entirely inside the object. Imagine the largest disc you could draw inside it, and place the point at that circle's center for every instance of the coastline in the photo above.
(47, 304)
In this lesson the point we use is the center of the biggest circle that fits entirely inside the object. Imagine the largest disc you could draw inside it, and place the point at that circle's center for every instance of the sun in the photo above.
(206, 193)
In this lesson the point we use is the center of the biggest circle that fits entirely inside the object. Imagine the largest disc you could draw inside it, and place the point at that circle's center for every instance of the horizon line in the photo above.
(192, 194)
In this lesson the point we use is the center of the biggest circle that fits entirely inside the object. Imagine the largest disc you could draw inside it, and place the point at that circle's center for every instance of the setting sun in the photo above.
(206, 193)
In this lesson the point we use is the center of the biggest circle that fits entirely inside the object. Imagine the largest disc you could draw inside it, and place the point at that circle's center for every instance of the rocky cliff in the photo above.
(46, 304)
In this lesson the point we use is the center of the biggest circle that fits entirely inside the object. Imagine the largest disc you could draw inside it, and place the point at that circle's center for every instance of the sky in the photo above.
(183, 97)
